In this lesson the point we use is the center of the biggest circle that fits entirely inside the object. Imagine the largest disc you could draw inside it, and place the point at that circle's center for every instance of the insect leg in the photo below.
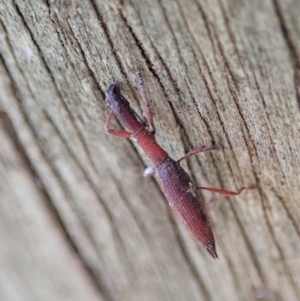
(197, 150)
(149, 171)
(223, 191)
(119, 133)
(145, 97)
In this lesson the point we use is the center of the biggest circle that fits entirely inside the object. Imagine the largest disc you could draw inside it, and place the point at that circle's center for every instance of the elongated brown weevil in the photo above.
(173, 180)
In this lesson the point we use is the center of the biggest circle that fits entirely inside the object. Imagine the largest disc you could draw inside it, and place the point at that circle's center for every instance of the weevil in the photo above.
(173, 180)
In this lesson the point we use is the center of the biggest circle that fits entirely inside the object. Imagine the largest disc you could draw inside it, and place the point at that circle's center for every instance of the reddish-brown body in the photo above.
(181, 194)
(173, 180)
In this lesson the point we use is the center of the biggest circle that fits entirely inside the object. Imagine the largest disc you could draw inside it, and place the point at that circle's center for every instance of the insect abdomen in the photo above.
(182, 197)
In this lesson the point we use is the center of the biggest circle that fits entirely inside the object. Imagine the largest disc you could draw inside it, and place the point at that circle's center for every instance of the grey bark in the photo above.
(77, 219)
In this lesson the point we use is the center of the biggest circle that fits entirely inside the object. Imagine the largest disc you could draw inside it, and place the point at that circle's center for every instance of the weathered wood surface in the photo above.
(78, 221)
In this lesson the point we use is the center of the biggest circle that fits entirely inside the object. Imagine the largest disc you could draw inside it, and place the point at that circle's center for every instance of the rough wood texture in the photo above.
(78, 221)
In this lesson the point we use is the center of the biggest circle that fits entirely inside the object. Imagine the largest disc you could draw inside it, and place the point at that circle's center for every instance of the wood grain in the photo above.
(78, 220)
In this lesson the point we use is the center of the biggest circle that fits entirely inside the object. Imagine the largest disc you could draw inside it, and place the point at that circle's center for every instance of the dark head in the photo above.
(113, 96)
(112, 89)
